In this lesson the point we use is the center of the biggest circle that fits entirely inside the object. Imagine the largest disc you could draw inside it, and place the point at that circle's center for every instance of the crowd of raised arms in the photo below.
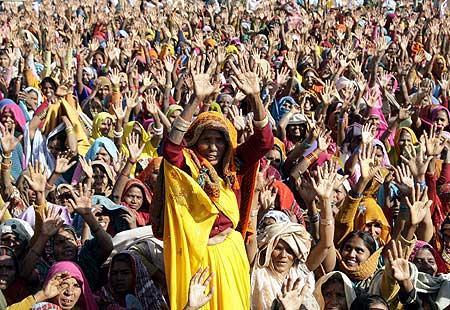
(224, 154)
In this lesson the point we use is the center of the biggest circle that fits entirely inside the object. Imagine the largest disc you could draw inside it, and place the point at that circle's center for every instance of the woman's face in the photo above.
(225, 103)
(374, 121)
(8, 119)
(334, 296)
(101, 181)
(97, 60)
(103, 156)
(296, 132)
(446, 238)
(68, 298)
(102, 216)
(275, 158)
(65, 246)
(354, 252)
(425, 262)
(378, 156)
(103, 92)
(404, 140)
(441, 119)
(7, 271)
(47, 90)
(282, 257)
(174, 115)
(121, 277)
(138, 131)
(338, 197)
(32, 99)
(134, 197)
(374, 229)
(308, 82)
(105, 127)
(86, 77)
(4, 61)
(211, 145)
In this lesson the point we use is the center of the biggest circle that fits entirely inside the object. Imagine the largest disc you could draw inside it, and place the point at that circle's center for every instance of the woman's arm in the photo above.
(82, 205)
(135, 151)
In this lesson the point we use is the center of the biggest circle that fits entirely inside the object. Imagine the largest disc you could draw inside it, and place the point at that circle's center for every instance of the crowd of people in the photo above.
(267, 154)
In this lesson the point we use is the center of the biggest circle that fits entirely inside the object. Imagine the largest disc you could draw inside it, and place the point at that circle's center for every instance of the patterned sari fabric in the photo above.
(150, 297)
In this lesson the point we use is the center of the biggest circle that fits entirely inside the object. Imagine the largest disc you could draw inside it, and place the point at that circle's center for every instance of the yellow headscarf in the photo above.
(98, 120)
(53, 119)
(372, 212)
(149, 150)
(394, 154)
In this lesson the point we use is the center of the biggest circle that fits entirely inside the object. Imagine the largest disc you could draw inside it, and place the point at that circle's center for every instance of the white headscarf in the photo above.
(349, 291)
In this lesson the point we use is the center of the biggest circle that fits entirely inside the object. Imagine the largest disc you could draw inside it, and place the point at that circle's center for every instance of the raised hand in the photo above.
(119, 112)
(418, 205)
(417, 161)
(245, 76)
(239, 121)
(291, 296)
(51, 222)
(324, 140)
(404, 179)
(86, 166)
(150, 103)
(37, 179)
(129, 217)
(398, 261)
(81, 202)
(197, 287)
(326, 180)
(131, 100)
(201, 77)
(368, 133)
(434, 141)
(329, 92)
(169, 64)
(8, 140)
(267, 197)
(63, 163)
(114, 76)
(55, 285)
(366, 159)
(133, 147)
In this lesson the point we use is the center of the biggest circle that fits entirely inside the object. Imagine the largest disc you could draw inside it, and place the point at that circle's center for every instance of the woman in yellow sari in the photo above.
(202, 195)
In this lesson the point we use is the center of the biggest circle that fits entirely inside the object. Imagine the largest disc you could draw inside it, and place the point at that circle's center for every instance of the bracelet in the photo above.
(181, 124)
(254, 213)
(118, 134)
(314, 218)
(326, 222)
(158, 131)
(7, 157)
(262, 123)
(131, 161)
(42, 115)
(69, 129)
(6, 166)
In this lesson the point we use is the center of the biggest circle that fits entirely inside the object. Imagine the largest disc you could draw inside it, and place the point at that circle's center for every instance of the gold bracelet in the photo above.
(181, 124)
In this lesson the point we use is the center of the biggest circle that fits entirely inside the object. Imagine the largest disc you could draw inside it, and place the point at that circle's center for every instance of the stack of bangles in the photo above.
(181, 124)
(313, 218)
(6, 165)
(311, 157)
(118, 134)
(158, 131)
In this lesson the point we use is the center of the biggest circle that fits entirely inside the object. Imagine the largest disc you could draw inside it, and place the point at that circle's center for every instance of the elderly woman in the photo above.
(284, 248)
(334, 291)
(202, 195)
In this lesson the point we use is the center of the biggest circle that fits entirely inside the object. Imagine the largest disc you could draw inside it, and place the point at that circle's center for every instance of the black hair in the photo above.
(367, 238)
(51, 81)
(365, 301)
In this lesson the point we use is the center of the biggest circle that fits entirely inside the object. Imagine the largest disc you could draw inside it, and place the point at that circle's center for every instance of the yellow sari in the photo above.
(188, 217)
